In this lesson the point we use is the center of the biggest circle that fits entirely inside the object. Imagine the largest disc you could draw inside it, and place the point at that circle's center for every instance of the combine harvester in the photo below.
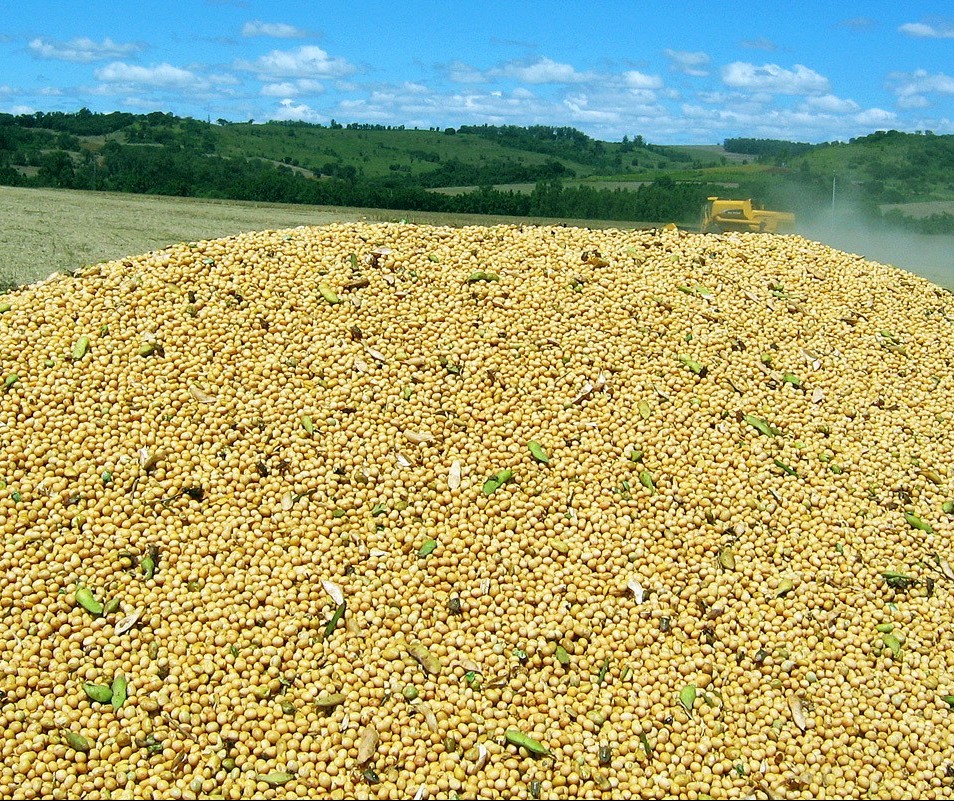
(719, 215)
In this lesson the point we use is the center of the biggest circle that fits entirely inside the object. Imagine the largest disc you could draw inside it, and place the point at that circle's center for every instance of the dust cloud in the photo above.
(930, 256)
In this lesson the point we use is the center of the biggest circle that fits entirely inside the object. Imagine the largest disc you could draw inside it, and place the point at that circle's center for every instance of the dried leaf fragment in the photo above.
(200, 395)
(129, 621)
(334, 591)
(424, 657)
(453, 475)
(419, 437)
(374, 354)
(368, 740)
(798, 712)
(636, 588)
(584, 393)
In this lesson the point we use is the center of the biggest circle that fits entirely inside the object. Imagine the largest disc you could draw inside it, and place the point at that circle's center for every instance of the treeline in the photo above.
(187, 173)
(457, 173)
(766, 149)
(82, 123)
(559, 142)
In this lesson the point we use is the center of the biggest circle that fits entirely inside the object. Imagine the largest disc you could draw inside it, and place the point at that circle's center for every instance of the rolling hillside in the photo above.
(538, 170)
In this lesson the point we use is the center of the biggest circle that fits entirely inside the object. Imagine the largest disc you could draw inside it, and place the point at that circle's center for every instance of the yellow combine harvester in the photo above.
(720, 215)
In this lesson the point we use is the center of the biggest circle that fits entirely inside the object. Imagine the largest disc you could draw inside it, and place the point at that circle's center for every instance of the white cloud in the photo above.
(832, 104)
(308, 61)
(578, 106)
(875, 118)
(782, 123)
(276, 30)
(941, 29)
(544, 70)
(774, 79)
(910, 88)
(161, 76)
(289, 89)
(634, 79)
(82, 50)
(459, 72)
(289, 110)
(689, 62)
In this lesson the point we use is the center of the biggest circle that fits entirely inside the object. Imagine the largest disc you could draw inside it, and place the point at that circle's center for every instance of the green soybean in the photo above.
(763, 426)
(328, 293)
(521, 740)
(277, 779)
(78, 742)
(687, 697)
(538, 453)
(80, 348)
(101, 693)
(85, 598)
(496, 481)
(148, 566)
(118, 691)
(916, 522)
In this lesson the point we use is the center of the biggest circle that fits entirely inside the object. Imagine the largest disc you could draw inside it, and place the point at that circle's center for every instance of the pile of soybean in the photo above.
(394, 511)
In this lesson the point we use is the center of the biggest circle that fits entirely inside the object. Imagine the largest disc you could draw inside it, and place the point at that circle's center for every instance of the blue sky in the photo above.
(691, 72)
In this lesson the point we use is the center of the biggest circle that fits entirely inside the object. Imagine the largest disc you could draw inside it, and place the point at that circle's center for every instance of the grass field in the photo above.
(54, 230)
(923, 209)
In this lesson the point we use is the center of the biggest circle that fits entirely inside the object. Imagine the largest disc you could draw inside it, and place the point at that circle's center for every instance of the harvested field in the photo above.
(61, 230)
(393, 511)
